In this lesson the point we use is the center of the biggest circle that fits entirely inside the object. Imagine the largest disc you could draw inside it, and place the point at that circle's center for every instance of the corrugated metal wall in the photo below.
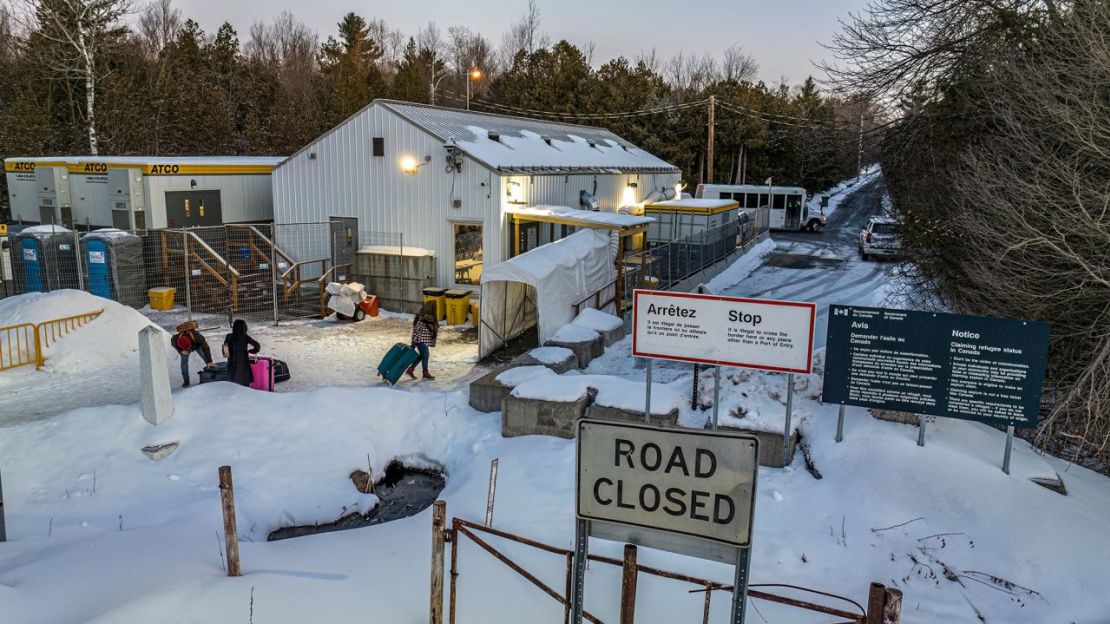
(346, 180)
(92, 201)
(22, 192)
(243, 198)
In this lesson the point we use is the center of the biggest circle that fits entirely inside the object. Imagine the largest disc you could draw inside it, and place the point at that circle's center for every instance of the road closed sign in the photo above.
(762, 334)
(688, 482)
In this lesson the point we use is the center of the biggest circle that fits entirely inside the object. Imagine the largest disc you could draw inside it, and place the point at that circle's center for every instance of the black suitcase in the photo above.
(216, 373)
(281, 370)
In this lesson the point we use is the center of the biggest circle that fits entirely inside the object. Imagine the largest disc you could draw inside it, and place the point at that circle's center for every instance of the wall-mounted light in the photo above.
(192, 184)
(629, 196)
(512, 191)
(410, 166)
(678, 188)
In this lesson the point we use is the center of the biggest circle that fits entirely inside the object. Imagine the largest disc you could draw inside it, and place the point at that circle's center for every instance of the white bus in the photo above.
(789, 210)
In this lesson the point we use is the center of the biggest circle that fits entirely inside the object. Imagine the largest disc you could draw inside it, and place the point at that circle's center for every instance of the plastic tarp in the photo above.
(114, 266)
(541, 287)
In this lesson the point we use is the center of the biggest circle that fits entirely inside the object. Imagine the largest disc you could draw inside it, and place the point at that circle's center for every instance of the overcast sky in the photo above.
(783, 35)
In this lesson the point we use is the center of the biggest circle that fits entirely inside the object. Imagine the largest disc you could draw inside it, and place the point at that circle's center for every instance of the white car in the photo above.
(881, 238)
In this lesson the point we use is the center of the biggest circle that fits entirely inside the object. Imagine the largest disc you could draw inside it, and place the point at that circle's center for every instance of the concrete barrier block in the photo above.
(520, 417)
(770, 447)
(558, 359)
(585, 350)
(155, 377)
(605, 412)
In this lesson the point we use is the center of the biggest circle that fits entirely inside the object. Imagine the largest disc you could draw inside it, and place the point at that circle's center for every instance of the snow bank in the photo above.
(742, 268)
(611, 391)
(845, 188)
(597, 320)
(107, 339)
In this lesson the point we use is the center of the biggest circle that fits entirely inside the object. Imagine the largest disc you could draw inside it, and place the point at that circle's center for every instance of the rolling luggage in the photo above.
(281, 370)
(399, 358)
(216, 373)
(262, 369)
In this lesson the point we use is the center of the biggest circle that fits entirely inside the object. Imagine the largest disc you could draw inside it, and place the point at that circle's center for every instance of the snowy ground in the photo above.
(99, 532)
(80, 372)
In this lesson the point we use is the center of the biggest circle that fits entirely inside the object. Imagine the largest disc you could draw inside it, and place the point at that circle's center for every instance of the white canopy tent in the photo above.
(541, 287)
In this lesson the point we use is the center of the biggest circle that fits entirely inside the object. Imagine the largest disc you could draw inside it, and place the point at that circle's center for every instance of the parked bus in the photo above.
(789, 210)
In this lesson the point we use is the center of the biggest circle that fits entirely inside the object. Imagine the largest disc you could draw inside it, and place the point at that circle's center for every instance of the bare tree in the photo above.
(79, 30)
(159, 23)
(391, 41)
(737, 65)
(524, 35)
(286, 42)
(691, 73)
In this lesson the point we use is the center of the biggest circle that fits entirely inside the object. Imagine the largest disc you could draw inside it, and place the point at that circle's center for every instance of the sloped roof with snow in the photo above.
(522, 145)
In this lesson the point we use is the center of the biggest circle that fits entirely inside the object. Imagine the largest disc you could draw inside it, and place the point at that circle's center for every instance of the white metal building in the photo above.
(444, 178)
(137, 192)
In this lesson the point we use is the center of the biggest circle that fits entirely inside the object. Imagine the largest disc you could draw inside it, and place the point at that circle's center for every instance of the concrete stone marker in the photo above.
(157, 400)
(587, 344)
(771, 447)
(608, 412)
(524, 416)
(558, 359)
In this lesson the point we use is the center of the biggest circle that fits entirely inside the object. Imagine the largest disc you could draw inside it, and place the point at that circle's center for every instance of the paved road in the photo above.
(824, 268)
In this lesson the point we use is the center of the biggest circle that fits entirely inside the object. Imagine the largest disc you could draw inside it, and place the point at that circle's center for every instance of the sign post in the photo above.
(933, 364)
(686, 491)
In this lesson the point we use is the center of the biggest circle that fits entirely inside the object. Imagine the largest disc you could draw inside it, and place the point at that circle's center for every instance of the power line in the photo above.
(542, 113)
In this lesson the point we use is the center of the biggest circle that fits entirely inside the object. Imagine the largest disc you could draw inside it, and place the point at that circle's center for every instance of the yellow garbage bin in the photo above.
(458, 303)
(474, 310)
(161, 299)
(437, 295)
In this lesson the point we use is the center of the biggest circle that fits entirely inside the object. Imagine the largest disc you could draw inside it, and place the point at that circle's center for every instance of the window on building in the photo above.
(468, 253)
(379, 146)
(780, 202)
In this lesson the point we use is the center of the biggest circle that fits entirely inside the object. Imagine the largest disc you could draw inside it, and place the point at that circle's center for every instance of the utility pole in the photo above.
(859, 154)
(709, 149)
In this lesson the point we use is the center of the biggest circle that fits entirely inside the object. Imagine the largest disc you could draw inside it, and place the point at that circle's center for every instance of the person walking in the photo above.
(187, 340)
(425, 328)
(238, 347)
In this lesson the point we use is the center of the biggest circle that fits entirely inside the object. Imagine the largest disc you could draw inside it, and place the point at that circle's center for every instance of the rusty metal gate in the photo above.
(883, 604)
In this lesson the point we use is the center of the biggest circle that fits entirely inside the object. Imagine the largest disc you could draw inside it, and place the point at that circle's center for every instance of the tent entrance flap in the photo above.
(540, 287)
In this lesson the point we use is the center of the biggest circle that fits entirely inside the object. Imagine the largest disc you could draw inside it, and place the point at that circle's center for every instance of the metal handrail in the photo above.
(42, 335)
(25, 352)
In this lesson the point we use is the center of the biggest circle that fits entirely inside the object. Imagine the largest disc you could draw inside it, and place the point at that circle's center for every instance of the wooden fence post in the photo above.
(628, 585)
(3, 530)
(231, 535)
(892, 607)
(439, 519)
(876, 597)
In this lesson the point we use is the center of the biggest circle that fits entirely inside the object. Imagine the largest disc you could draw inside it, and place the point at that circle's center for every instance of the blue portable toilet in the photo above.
(47, 259)
(114, 266)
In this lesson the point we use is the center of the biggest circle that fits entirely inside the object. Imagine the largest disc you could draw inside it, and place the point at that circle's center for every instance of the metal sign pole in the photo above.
(716, 394)
(789, 415)
(3, 530)
(647, 394)
(921, 429)
(740, 585)
(1009, 448)
(578, 586)
(492, 492)
(840, 424)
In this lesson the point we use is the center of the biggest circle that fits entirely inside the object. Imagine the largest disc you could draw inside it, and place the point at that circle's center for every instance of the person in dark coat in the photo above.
(238, 347)
(185, 342)
(425, 328)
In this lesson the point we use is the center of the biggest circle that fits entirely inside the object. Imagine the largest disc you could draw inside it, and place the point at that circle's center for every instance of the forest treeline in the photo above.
(147, 80)
(999, 165)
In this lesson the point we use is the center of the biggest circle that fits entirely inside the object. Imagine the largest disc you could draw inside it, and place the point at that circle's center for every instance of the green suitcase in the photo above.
(399, 358)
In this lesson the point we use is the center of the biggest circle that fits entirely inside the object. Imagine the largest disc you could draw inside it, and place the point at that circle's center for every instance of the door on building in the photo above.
(47, 214)
(529, 236)
(344, 244)
(96, 259)
(193, 208)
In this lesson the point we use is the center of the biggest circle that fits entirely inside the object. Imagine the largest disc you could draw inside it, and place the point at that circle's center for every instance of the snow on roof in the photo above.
(154, 160)
(396, 250)
(587, 218)
(693, 203)
(522, 145)
(535, 265)
(44, 229)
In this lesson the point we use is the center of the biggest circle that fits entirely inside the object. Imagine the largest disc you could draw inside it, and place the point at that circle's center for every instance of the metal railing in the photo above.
(26, 343)
(872, 614)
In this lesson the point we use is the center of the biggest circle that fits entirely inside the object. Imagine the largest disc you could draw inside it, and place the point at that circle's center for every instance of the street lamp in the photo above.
(474, 74)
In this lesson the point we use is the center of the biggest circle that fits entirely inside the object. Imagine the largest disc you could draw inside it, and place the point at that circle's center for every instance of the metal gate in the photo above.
(883, 604)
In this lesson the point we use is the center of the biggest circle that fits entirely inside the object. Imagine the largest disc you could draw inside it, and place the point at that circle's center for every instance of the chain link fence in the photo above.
(260, 272)
(667, 266)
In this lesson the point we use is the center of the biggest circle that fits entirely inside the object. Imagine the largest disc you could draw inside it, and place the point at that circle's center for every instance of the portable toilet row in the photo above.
(44, 259)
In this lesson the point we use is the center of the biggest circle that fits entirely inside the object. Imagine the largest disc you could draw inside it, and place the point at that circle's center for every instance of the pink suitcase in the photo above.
(262, 369)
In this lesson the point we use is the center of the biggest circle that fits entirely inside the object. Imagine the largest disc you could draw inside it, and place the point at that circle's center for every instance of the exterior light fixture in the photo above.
(628, 198)
(475, 74)
(512, 191)
(410, 166)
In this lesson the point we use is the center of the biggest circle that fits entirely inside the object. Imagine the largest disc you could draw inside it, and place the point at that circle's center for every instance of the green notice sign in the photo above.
(951, 365)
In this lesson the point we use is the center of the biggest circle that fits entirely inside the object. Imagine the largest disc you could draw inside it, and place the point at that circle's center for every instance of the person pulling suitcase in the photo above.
(425, 329)
(238, 347)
